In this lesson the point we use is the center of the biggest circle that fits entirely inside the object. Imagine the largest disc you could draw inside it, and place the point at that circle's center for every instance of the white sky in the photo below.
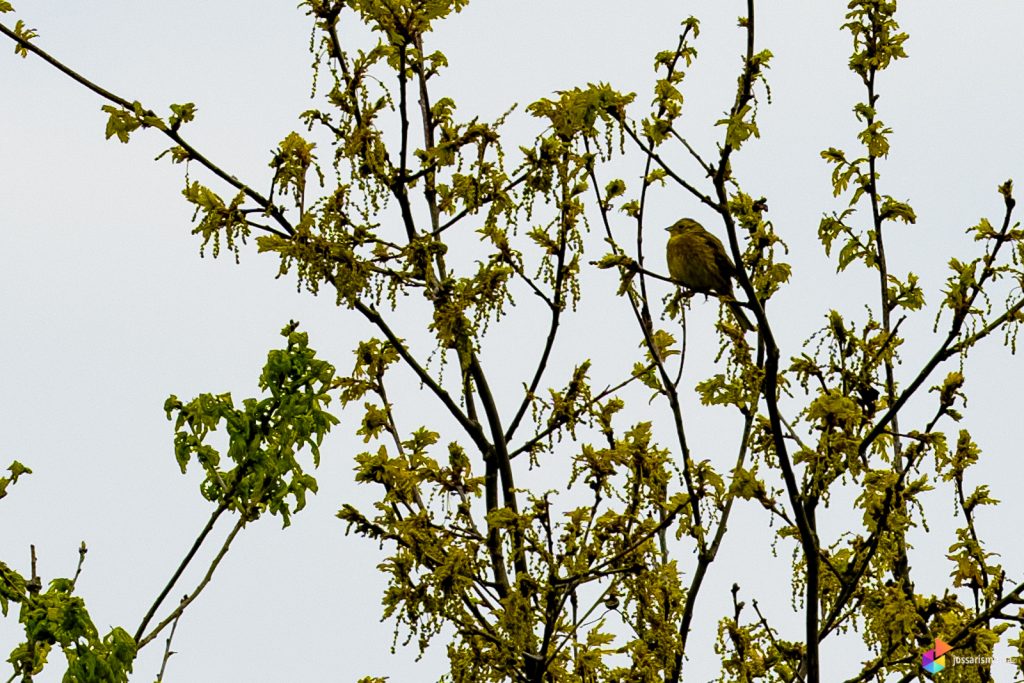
(107, 309)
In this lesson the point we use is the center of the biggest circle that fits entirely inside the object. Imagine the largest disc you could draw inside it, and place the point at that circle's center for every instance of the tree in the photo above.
(594, 571)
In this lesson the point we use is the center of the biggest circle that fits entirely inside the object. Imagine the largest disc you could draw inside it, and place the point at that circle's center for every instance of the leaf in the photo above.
(833, 155)
(25, 34)
(746, 485)
(893, 210)
(182, 113)
(120, 122)
(502, 518)
(614, 261)
(738, 128)
(17, 470)
(613, 189)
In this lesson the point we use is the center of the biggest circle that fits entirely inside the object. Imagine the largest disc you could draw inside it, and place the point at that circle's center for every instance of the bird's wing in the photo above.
(722, 262)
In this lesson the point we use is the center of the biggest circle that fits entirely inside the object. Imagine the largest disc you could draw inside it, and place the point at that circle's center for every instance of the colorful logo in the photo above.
(933, 661)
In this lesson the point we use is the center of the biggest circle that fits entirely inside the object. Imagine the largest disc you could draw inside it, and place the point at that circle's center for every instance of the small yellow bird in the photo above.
(697, 261)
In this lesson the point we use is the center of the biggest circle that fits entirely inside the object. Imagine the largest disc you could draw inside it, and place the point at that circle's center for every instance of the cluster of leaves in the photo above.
(58, 617)
(264, 436)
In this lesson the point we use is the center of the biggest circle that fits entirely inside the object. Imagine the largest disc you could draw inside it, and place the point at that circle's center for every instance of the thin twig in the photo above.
(167, 646)
(82, 550)
(803, 508)
(647, 149)
(708, 168)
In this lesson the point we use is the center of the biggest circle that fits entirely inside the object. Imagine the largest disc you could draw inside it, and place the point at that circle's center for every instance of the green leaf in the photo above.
(182, 113)
(502, 518)
(25, 34)
(894, 210)
(120, 122)
(260, 471)
(614, 261)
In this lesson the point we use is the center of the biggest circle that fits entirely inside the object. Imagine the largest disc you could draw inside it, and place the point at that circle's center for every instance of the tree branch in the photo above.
(948, 349)
(189, 556)
(173, 616)
(193, 153)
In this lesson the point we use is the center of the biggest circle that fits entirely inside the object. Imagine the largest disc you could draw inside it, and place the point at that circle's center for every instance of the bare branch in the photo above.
(173, 616)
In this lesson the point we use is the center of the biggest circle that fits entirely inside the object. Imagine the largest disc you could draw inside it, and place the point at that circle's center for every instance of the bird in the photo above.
(697, 261)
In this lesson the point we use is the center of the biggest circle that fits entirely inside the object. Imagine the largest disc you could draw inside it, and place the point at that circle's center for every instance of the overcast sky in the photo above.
(107, 307)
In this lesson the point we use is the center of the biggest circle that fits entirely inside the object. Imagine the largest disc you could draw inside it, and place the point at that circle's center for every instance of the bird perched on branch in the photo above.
(697, 261)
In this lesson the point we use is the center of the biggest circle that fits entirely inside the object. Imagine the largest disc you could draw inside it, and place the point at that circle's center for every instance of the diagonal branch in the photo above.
(173, 616)
(180, 570)
(472, 428)
(649, 150)
(948, 349)
(171, 133)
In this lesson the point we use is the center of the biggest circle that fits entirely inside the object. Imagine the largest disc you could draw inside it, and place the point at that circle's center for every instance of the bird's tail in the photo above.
(737, 311)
